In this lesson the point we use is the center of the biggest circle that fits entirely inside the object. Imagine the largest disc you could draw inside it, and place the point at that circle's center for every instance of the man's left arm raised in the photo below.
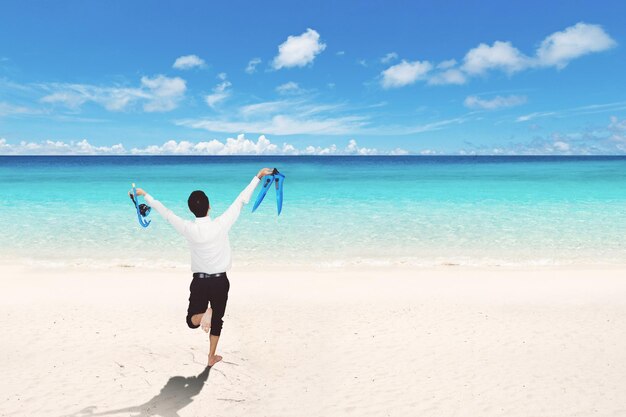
(232, 213)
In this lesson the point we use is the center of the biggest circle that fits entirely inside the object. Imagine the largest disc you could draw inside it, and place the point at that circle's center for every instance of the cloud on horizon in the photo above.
(231, 146)
(608, 140)
(50, 147)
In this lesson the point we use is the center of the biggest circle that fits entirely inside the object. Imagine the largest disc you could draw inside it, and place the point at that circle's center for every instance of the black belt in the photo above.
(203, 275)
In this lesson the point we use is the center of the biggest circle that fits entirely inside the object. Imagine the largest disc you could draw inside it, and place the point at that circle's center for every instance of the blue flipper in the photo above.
(142, 221)
(267, 181)
(280, 180)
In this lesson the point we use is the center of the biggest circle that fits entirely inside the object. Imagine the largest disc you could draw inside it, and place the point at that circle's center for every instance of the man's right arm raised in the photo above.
(179, 224)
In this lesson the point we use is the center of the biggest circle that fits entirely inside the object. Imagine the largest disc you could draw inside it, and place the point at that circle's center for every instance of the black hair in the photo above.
(198, 203)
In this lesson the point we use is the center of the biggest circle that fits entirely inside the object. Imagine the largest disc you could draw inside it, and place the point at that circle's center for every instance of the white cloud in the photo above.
(581, 39)
(351, 149)
(561, 146)
(212, 100)
(498, 102)
(164, 93)
(263, 146)
(427, 127)
(288, 88)
(50, 147)
(220, 92)
(501, 55)
(575, 111)
(74, 96)
(610, 140)
(534, 115)
(449, 76)
(354, 149)
(252, 64)
(340, 53)
(188, 62)
(231, 146)
(299, 51)
(313, 150)
(398, 152)
(617, 125)
(553, 145)
(296, 115)
(7, 109)
(299, 115)
(447, 73)
(443, 65)
(391, 56)
(405, 73)
(556, 50)
(281, 125)
(158, 94)
(266, 107)
(617, 129)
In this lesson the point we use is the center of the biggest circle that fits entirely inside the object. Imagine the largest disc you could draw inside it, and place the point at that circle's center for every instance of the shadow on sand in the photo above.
(176, 394)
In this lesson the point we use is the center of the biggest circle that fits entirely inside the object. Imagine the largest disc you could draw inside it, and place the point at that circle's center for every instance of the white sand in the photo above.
(451, 342)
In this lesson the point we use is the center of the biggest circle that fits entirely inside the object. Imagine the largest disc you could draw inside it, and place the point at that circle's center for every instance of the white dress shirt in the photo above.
(208, 238)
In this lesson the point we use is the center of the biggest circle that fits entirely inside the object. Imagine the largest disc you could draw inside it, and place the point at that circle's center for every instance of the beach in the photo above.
(438, 342)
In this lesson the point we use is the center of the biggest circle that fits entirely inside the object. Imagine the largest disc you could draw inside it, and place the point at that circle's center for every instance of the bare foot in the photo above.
(205, 323)
(214, 359)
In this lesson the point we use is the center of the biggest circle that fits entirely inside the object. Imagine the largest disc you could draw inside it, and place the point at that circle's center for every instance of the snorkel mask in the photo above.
(144, 209)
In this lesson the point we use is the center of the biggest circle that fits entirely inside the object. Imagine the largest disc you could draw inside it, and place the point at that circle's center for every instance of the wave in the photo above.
(315, 264)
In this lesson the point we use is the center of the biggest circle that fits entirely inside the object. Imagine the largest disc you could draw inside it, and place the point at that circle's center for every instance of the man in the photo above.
(210, 257)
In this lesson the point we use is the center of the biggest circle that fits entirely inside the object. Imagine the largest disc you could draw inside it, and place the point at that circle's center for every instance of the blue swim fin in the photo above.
(280, 180)
(267, 181)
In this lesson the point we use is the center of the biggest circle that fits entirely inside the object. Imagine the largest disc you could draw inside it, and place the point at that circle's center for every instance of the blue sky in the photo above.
(312, 77)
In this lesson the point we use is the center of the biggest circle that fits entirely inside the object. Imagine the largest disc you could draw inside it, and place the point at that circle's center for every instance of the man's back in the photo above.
(208, 238)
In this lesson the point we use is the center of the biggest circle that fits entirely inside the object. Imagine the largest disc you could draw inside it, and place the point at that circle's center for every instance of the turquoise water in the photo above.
(338, 211)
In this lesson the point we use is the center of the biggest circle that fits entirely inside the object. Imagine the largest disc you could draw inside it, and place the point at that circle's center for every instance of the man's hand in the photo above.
(263, 172)
(140, 192)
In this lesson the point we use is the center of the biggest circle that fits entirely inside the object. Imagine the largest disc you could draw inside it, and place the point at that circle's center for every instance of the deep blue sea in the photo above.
(338, 211)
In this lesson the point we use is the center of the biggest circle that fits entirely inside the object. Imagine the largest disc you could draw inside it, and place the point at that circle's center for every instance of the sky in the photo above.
(312, 77)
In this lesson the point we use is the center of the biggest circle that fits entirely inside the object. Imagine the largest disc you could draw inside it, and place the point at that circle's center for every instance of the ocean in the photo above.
(338, 211)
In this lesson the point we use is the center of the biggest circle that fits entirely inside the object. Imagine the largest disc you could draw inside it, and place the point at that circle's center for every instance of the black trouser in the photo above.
(205, 290)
